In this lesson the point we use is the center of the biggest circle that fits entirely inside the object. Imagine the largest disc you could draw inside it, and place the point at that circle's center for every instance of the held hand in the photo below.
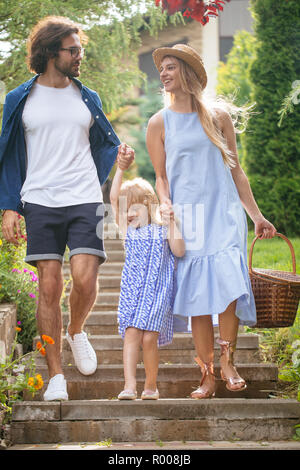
(125, 156)
(167, 213)
(11, 227)
(264, 229)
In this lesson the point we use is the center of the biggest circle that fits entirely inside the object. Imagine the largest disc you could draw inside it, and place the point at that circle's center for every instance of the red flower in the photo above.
(199, 10)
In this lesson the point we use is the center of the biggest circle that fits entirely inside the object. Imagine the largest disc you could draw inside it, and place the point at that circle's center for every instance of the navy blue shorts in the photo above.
(51, 229)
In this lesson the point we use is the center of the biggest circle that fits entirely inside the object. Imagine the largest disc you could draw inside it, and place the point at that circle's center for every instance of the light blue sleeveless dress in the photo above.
(213, 272)
(147, 283)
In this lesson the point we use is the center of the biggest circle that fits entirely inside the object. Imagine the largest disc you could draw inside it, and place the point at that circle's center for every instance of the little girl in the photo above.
(145, 306)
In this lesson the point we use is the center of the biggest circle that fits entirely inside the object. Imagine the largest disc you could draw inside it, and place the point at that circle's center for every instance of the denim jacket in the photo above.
(13, 158)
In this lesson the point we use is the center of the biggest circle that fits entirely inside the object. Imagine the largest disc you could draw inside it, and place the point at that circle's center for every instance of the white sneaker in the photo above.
(83, 352)
(57, 389)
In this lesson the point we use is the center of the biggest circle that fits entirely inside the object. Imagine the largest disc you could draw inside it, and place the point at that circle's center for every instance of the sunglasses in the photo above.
(74, 51)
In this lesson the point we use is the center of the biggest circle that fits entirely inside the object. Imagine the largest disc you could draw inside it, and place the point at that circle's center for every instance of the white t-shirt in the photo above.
(60, 167)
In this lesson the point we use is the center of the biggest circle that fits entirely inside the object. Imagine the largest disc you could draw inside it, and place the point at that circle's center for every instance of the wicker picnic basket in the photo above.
(276, 293)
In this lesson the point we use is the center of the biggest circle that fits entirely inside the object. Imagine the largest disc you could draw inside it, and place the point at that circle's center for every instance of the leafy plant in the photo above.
(17, 374)
(289, 101)
(19, 285)
(292, 372)
(150, 102)
(272, 152)
(114, 28)
(105, 443)
(296, 436)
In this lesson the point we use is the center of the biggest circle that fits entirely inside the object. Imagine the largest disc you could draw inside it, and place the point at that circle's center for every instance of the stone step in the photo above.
(109, 349)
(111, 268)
(174, 381)
(104, 300)
(111, 298)
(113, 245)
(218, 419)
(108, 268)
(105, 284)
(115, 256)
(111, 233)
(98, 322)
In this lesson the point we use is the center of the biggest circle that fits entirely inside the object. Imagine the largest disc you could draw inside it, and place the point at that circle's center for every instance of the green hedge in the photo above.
(272, 153)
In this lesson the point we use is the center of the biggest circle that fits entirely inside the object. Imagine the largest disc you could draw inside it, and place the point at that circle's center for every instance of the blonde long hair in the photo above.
(207, 110)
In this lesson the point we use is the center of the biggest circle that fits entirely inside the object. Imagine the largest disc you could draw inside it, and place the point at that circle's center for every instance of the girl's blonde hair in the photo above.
(139, 191)
(207, 109)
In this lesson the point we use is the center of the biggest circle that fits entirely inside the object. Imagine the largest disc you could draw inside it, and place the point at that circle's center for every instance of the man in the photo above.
(56, 150)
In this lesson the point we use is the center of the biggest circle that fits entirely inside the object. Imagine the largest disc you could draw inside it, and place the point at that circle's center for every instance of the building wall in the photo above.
(235, 17)
(212, 41)
(181, 34)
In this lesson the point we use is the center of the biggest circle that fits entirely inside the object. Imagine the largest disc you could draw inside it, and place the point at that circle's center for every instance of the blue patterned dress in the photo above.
(147, 283)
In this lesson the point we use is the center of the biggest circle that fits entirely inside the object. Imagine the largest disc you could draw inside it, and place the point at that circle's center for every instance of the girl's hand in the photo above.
(125, 156)
(167, 213)
(264, 229)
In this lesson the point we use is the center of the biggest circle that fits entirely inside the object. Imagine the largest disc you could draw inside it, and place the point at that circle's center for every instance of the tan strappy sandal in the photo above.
(206, 369)
(234, 383)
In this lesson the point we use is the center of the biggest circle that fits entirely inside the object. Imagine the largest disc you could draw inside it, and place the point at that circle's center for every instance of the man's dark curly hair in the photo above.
(45, 39)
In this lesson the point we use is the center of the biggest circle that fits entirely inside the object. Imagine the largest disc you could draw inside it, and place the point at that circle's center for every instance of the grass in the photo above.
(274, 253)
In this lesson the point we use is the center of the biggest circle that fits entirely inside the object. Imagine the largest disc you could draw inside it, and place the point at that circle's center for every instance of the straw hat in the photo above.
(185, 53)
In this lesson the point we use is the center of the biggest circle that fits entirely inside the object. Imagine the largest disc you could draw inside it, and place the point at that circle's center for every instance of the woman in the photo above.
(194, 155)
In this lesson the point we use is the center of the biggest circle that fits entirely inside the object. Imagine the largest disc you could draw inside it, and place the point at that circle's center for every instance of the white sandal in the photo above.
(150, 395)
(127, 395)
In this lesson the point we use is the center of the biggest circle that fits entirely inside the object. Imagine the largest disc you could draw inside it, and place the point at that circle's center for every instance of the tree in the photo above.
(113, 27)
(272, 152)
(149, 104)
(234, 77)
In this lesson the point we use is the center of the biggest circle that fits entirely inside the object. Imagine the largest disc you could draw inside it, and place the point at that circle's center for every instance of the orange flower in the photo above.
(39, 382)
(40, 348)
(30, 381)
(48, 339)
(18, 329)
(36, 382)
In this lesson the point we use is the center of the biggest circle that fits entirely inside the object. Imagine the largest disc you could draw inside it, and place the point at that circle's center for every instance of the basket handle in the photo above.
(284, 238)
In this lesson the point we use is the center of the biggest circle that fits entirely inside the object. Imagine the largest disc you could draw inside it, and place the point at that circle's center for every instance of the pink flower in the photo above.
(19, 291)
(31, 295)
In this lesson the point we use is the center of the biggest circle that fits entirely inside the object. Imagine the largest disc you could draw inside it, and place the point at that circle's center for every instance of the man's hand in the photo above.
(125, 157)
(11, 227)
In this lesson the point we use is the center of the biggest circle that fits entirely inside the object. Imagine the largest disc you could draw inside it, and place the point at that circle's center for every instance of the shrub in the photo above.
(19, 285)
(273, 153)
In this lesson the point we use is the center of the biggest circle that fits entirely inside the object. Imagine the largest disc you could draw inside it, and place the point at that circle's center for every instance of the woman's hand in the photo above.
(175, 239)
(264, 228)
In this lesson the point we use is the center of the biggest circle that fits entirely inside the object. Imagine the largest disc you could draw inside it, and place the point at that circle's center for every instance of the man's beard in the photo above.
(68, 71)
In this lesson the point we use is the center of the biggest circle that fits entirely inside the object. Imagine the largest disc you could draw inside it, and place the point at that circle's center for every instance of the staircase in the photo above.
(93, 413)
